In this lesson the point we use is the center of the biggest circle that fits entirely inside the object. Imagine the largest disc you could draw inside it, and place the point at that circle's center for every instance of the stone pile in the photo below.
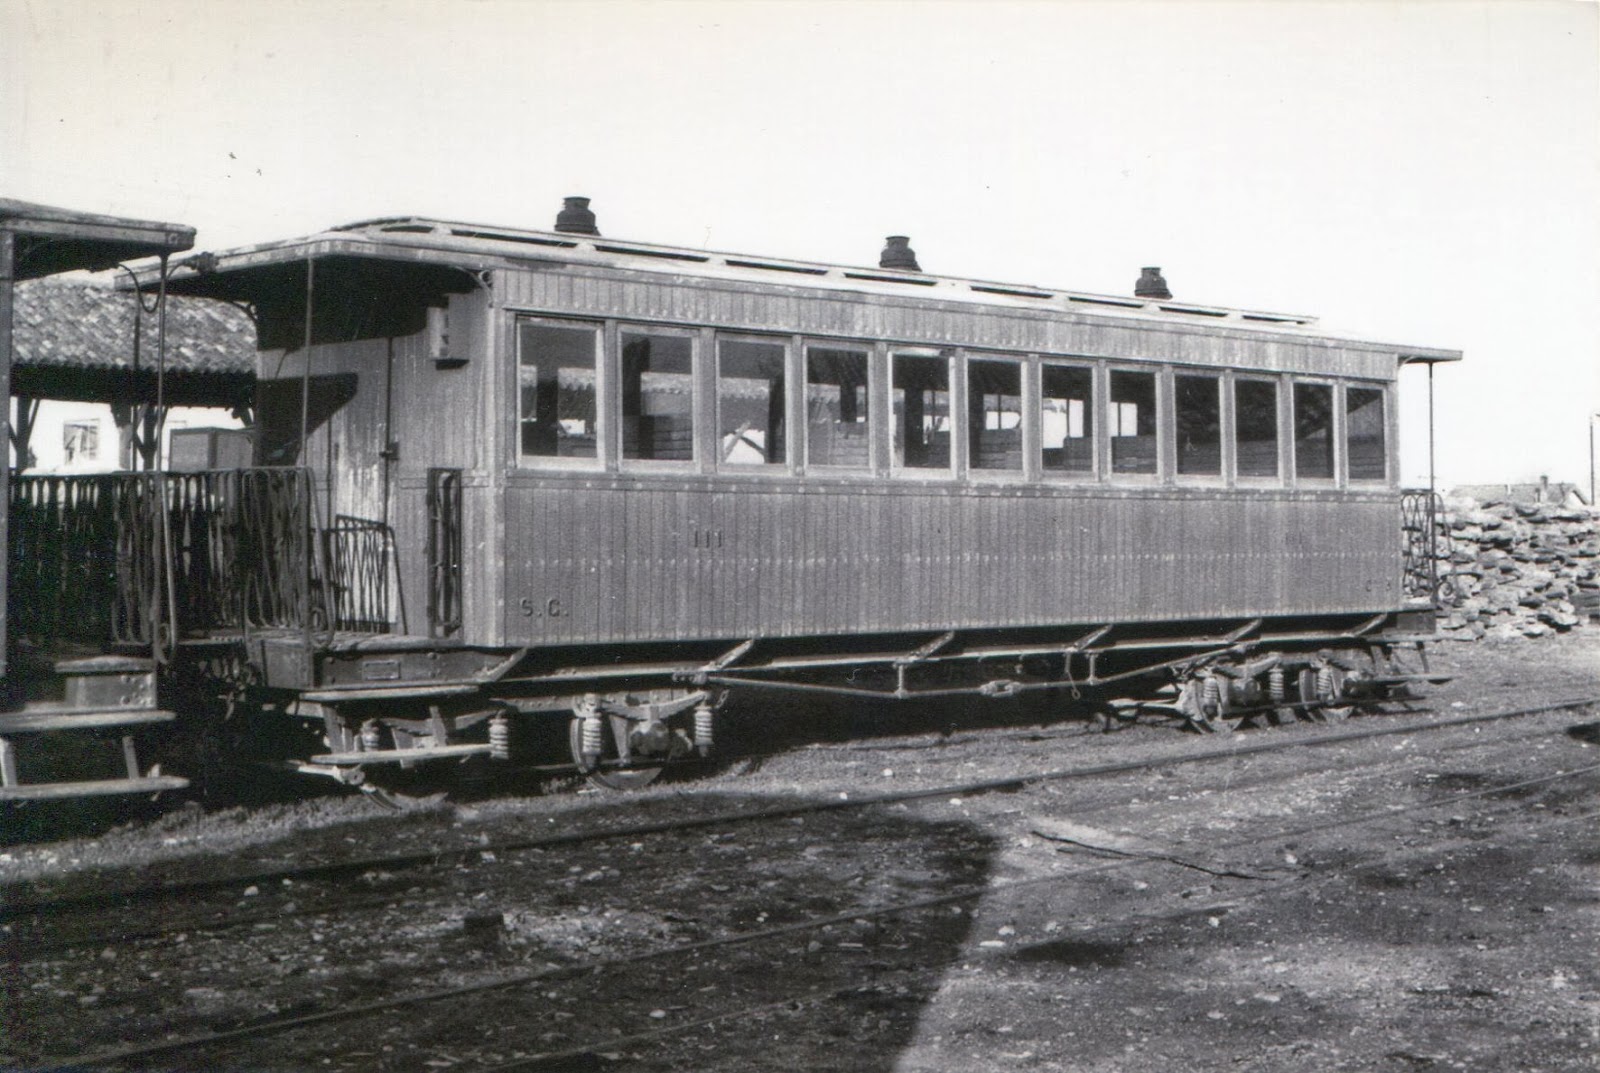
(1516, 571)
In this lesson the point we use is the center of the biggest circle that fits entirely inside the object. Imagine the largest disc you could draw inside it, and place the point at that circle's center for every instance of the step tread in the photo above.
(45, 791)
(420, 690)
(53, 718)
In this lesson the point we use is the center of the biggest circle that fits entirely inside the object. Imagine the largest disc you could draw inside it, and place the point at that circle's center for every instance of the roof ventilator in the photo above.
(1151, 285)
(575, 217)
(899, 254)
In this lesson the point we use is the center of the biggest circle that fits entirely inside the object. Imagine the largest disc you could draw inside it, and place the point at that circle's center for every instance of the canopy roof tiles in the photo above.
(82, 340)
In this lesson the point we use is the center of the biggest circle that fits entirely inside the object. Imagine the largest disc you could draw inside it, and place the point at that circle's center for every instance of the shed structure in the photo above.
(43, 240)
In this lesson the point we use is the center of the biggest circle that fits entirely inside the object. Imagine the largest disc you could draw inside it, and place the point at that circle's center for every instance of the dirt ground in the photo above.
(1411, 902)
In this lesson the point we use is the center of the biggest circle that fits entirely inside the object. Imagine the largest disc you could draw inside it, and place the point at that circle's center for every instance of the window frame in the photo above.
(955, 373)
(1382, 389)
(1093, 405)
(1256, 480)
(1161, 404)
(869, 350)
(1019, 475)
(1206, 372)
(84, 425)
(523, 461)
(714, 376)
(1335, 432)
(694, 335)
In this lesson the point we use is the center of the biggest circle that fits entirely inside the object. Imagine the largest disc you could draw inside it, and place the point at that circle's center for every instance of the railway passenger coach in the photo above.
(507, 473)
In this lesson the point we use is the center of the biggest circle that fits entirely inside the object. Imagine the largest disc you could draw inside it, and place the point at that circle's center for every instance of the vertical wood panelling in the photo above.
(622, 560)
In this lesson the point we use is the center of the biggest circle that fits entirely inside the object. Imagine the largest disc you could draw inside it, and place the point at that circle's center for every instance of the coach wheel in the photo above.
(612, 729)
(1203, 702)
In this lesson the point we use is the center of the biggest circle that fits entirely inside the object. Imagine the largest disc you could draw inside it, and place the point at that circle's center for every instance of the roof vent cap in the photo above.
(575, 217)
(899, 254)
(1151, 285)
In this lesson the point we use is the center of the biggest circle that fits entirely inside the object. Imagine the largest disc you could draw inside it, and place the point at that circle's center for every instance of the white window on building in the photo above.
(80, 441)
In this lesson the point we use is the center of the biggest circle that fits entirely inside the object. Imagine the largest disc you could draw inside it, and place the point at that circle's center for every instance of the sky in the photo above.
(1421, 172)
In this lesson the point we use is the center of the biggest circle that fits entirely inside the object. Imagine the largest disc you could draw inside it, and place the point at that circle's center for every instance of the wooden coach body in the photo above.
(1083, 459)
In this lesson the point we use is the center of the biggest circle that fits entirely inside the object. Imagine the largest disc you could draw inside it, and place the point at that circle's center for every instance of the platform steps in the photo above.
(98, 694)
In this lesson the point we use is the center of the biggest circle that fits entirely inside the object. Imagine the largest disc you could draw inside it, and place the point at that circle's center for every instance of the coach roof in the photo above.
(444, 255)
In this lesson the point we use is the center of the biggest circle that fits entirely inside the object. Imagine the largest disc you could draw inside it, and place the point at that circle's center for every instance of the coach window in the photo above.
(657, 395)
(1198, 407)
(994, 414)
(1066, 419)
(750, 402)
(920, 390)
(1255, 422)
(1131, 419)
(1364, 423)
(556, 389)
(836, 407)
(1313, 431)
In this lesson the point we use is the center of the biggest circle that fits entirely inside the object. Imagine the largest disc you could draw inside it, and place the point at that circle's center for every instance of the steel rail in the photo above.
(36, 951)
(278, 1025)
(552, 1060)
(1011, 783)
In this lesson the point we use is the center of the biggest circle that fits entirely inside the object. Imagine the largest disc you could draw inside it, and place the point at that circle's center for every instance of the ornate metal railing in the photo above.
(1419, 530)
(444, 552)
(358, 556)
(133, 557)
(80, 565)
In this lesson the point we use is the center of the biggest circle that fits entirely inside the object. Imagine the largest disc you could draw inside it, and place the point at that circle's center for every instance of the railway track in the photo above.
(852, 916)
(334, 902)
(591, 1051)
(14, 908)
(846, 917)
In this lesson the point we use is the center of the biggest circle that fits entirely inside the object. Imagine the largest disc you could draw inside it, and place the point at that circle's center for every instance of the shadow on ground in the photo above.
(845, 996)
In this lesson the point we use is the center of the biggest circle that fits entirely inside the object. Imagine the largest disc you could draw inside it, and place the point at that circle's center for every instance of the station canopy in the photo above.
(50, 240)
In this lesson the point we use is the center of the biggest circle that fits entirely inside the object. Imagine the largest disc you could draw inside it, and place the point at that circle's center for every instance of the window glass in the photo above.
(1364, 433)
(1198, 406)
(1313, 430)
(1067, 418)
(555, 384)
(836, 407)
(750, 425)
(657, 396)
(80, 441)
(1131, 416)
(920, 384)
(1255, 419)
(994, 414)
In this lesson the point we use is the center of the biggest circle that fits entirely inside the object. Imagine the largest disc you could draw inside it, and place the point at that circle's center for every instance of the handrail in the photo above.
(120, 558)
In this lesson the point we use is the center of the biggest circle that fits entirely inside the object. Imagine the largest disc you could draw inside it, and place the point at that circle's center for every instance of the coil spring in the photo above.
(702, 729)
(593, 740)
(499, 736)
(1275, 685)
(1325, 682)
(371, 736)
(1211, 696)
